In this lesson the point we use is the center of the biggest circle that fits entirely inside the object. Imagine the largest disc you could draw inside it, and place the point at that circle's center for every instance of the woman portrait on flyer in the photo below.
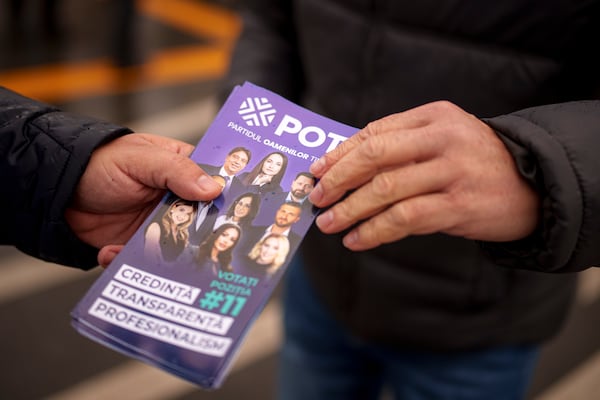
(241, 211)
(215, 253)
(266, 176)
(168, 236)
(267, 256)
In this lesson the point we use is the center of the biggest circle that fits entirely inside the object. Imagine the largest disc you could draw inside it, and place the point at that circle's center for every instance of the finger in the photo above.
(384, 190)
(411, 119)
(322, 165)
(375, 155)
(108, 253)
(165, 165)
(187, 180)
(416, 216)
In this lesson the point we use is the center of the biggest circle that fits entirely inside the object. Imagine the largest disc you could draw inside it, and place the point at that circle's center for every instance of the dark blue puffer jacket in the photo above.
(43, 153)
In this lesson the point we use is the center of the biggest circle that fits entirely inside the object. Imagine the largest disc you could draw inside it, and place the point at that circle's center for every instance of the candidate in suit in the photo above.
(235, 161)
(203, 224)
(300, 188)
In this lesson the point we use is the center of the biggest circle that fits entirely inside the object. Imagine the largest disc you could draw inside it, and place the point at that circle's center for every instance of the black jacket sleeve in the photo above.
(556, 149)
(43, 153)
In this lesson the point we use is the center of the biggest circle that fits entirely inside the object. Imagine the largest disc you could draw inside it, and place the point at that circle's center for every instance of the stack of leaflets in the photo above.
(186, 288)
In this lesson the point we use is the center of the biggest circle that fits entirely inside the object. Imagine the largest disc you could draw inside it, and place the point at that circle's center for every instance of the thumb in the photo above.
(164, 164)
(185, 178)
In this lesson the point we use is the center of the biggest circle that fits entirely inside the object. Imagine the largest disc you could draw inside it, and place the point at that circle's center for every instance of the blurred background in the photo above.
(155, 66)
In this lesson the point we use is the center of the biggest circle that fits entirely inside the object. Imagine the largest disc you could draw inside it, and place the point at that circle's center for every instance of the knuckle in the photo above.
(341, 208)
(358, 203)
(327, 182)
(369, 234)
(461, 202)
(343, 148)
(343, 211)
(336, 153)
(442, 106)
(179, 161)
(383, 185)
(400, 215)
(385, 231)
(380, 236)
(383, 228)
(372, 149)
(370, 130)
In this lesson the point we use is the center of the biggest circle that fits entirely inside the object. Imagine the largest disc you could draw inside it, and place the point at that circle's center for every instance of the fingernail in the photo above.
(316, 195)
(317, 167)
(208, 184)
(350, 239)
(324, 220)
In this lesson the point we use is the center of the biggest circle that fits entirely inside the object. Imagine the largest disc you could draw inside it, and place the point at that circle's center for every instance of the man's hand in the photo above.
(124, 181)
(431, 169)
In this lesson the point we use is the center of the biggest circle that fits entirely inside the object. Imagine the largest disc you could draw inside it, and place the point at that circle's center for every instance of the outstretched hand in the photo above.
(431, 169)
(123, 182)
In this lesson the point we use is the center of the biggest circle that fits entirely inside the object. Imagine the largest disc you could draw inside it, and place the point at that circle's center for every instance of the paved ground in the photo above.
(161, 76)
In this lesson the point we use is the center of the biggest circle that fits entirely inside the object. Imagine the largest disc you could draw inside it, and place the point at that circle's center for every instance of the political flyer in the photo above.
(186, 288)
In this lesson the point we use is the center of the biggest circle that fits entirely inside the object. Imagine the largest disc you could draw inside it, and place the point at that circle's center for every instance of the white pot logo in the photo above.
(257, 111)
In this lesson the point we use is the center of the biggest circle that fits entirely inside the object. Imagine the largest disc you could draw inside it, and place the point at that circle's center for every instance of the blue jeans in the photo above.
(322, 361)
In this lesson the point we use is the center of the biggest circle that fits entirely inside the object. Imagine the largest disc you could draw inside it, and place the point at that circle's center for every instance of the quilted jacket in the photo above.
(43, 153)
(529, 68)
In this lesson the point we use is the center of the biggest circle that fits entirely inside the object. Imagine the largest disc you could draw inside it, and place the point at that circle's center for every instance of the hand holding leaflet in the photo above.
(457, 178)
(186, 305)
